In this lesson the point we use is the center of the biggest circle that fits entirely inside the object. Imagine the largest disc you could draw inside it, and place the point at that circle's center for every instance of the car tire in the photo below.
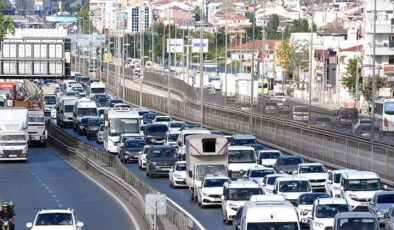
(171, 185)
(147, 173)
(151, 175)
(226, 220)
(139, 166)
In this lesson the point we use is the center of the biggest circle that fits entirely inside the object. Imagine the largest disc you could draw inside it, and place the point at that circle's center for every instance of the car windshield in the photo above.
(149, 116)
(157, 128)
(117, 126)
(337, 178)
(385, 199)
(68, 108)
(294, 186)
(97, 90)
(94, 122)
(13, 138)
(357, 223)
(389, 108)
(180, 167)
(165, 119)
(244, 141)
(163, 153)
(271, 180)
(312, 169)
(50, 102)
(242, 193)
(38, 119)
(208, 183)
(362, 185)
(83, 112)
(330, 210)
(300, 109)
(142, 112)
(241, 156)
(103, 100)
(204, 170)
(260, 173)
(290, 161)
(113, 102)
(173, 137)
(273, 226)
(134, 144)
(309, 198)
(269, 155)
(176, 125)
(54, 219)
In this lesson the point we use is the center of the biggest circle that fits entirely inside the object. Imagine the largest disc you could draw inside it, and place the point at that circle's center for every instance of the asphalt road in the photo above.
(210, 218)
(48, 181)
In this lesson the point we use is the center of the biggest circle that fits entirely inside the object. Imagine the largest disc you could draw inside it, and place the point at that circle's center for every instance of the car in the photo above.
(323, 122)
(142, 157)
(355, 221)
(257, 174)
(121, 106)
(172, 138)
(177, 175)
(240, 160)
(127, 136)
(366, 131)
(93, 127)
(64, 219)
(271, 107)
(211, 191)
(287, 164)
(160, 159)
(148, 118)
(99, 138)
(235, 194)
(237, 219)
(112, 102)
(53, 113)
(102, 101)
(130, 149)
(291, 187)
(243, 139)
(360, 122)
(279, 97)
(216, 132)
(269, 183)
(304, 206)
(155, 133)
(175, 125)
(389, 219)
(380, 204)
(162, 120)
(189, 126)
(324, 211)
(333, 182)
(268, 157)
(315, 172)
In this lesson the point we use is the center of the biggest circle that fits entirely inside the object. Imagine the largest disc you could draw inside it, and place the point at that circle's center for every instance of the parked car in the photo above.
(160, 159)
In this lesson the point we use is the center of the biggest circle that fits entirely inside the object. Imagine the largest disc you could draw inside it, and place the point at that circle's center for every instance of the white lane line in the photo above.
(131, 216)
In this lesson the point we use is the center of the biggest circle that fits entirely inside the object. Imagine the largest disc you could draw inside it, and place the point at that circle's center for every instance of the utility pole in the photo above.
(169, 62)
(225, 58)
(252, 72)
(202, 65)
(142, 64)
(373, 71)
(310, 70)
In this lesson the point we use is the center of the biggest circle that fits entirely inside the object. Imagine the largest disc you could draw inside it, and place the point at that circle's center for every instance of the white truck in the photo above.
(65, 110)
(38, 133)
(96, 88)
(13, 134)
(49, 98)
(83, 108)
(116, 122)
(206, 155)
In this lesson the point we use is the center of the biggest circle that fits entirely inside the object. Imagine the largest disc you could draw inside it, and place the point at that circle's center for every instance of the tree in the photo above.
(292, 56)
(6, 23)
(284, 54)
(83, 15)
(349, 80)
(366, 88)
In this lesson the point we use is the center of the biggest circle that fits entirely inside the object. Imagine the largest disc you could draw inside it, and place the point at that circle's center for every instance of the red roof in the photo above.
(353, 49)
(258, 45)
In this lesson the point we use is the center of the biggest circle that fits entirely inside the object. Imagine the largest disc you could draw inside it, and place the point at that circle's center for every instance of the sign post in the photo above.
(155, 204)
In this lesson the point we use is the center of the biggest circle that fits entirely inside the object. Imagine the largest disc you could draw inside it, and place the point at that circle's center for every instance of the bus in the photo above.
(384, 114)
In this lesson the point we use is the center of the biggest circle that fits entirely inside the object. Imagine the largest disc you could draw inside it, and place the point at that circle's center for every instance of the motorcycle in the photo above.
(5, 224)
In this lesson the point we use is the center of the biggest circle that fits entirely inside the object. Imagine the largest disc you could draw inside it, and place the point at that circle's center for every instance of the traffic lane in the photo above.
(210, 217)
(47, 181)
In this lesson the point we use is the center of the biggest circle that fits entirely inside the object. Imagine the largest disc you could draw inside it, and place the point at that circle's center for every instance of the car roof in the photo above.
(244, 136)
(45, 211)
(257, 168)
(342, 171)
(208, 177)
(269, 151)
(314, 194)
(291, 178)
(180, 162)
(276, 175)
(330, 200)
(162, 147)
(360, 175)
(242, 184)
(310, 164)
(288, 156)
(355, 215)
(240, 147)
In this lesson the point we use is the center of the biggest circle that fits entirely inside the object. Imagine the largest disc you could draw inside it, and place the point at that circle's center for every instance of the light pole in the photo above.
(252, 66)
(225, 59)
(373, 71)
(169, 61)
(310, 71)
(108, 53)
(125, 53)
(142, 64)
(202, 65)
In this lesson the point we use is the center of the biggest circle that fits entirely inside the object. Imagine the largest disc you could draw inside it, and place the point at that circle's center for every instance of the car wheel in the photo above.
(147, 173)
(151, 175)
(191, 196)
(139, 166)
(226, 220)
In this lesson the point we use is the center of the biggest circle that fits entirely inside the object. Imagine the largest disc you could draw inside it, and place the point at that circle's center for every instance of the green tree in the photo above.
(285, 52)
(366, 88)
(349, 80)
(6, 23)
(83, 17)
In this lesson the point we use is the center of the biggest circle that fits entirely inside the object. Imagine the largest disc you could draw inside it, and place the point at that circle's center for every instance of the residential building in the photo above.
(174, 12)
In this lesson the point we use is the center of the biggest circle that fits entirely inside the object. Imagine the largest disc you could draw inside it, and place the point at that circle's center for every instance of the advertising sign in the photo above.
(196, 45)
(175, 46)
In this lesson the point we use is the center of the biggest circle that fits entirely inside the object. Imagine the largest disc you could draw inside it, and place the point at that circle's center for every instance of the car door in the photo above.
(329, 182)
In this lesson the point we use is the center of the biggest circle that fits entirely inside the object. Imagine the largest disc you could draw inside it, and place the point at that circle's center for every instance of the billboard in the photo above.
(175, 46)
(196, 45)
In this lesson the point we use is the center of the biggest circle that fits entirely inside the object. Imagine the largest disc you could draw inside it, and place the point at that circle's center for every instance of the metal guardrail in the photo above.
(331, 148)
(124, 183)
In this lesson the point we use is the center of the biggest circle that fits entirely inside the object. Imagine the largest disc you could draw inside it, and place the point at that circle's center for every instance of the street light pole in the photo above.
(202, 65)
(142, 64)
(310, 70)
(169, 61)
(225, 59)
(252, 66)
(373, 70)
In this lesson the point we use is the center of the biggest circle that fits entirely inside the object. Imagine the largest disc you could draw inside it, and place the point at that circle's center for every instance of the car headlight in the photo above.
(304, 212)
(233, 207)
(177, 176)
(352, 196)
(318, 224)
(127, 153)
(380, 214)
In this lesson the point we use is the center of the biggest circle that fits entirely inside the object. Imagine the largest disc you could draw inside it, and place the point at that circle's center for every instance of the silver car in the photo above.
(380, 204)
(389, 219)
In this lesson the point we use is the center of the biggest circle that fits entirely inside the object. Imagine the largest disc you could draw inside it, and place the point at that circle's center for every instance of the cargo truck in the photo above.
(49, 98)
(65, 110)
(13, 134)
(206, 155)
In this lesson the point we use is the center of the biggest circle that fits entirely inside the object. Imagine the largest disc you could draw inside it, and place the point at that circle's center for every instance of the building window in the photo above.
(146, 18)
(391, 60)
(135, 19)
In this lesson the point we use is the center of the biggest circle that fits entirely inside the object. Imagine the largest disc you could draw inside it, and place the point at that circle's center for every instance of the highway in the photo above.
(48, 181)
(210, 218)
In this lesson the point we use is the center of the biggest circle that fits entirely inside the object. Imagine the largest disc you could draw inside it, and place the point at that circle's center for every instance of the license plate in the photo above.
(12, 155)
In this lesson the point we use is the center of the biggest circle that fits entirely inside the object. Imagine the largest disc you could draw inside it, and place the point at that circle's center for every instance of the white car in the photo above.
(100, 139)
(62, 219)
(53, 113)
(174, 126)
(162, 120)
(211, 190)
(291, 187)
(257, 174)
(333, 182)
(324, 211)
(268, 157)
(142, 157)
(269, 182)
(177, 174)
(304, 206)
(315, 172)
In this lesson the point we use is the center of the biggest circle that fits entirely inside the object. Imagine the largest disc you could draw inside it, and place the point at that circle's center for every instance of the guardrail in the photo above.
(334, 149)
(123, 182)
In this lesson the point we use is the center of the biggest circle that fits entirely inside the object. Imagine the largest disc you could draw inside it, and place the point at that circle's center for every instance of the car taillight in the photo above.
(386, 122)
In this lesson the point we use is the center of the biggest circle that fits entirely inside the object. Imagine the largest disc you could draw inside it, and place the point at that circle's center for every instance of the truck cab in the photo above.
(36, 127)
(96, 88)
(83, 108)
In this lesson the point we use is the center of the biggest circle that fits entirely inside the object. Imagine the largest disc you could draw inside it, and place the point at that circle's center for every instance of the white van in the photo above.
(269, 214)
(359, 187)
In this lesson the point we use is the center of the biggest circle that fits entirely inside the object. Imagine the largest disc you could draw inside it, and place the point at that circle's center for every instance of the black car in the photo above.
(112, 102)
(160, 159)
(147, 118)
(155, 133)
(98, 96)
(93, 127)
(82, 126)
(130, 150)
(287, 164)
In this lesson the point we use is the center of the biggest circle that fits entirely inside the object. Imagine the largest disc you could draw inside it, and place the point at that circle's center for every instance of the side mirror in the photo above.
(222, 197)
(80, 224)
(190, 173)
(329, 181)
(29, 225)
(385, 187)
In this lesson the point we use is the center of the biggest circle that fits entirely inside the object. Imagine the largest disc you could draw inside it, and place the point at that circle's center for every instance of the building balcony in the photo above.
(383, 49)
(380, 28)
